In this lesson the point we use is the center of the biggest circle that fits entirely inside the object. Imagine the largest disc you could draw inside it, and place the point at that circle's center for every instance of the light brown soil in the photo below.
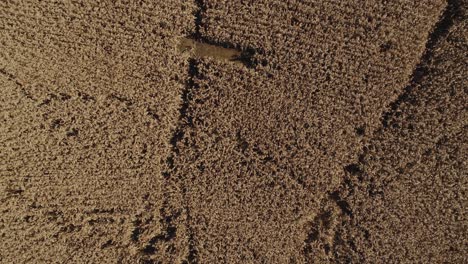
(200, 49)
(233, 131)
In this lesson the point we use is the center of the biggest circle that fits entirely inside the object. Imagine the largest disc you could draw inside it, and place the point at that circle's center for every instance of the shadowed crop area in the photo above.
(210, 131)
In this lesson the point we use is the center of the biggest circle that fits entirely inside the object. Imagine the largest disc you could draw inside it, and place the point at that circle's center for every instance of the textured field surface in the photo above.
(217, 131)
(408, 190)
(90, 95)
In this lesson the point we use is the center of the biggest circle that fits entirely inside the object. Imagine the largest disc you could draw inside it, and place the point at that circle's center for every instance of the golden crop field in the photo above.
(211, 131)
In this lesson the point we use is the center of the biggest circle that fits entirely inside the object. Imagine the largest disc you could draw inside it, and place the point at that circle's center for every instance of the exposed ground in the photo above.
(215, 131)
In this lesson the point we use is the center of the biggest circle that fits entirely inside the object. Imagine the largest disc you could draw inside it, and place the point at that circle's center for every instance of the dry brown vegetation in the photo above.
(215, 131)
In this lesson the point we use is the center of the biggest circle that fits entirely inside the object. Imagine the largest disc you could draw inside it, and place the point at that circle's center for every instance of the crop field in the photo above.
(213, 131)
